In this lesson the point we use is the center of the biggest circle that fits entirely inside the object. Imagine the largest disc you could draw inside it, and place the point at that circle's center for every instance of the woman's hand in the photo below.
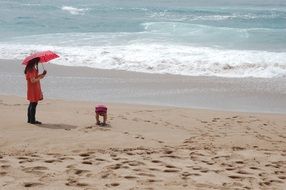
(41, 76)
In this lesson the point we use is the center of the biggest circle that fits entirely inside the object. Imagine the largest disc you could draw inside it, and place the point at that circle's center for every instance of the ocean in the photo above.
(209, 38)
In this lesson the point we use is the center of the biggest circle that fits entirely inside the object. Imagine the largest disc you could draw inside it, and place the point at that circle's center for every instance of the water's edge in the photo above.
(86, 84)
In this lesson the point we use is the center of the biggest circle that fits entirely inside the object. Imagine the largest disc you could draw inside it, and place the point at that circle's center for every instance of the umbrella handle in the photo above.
(43, 66)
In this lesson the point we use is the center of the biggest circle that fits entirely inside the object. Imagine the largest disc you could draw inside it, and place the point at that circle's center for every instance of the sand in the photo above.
(154, 139)
(143, 147)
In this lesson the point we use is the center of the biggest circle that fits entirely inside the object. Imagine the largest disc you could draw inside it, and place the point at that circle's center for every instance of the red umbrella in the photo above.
(44, 56)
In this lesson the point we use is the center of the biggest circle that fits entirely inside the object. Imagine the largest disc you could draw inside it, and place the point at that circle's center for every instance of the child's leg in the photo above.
(97, 119)
(104, 118)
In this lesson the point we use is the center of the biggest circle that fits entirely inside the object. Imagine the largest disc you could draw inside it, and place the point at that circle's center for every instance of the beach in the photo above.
(153, 140)
(195, 91)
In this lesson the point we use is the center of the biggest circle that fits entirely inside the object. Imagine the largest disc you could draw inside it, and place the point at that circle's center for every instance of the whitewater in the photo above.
(163, 37)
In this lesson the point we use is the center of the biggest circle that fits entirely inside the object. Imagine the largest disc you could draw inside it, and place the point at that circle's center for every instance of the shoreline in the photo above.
(88, 84)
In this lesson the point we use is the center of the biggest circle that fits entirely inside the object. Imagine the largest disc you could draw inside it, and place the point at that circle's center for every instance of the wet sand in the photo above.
(79, 83)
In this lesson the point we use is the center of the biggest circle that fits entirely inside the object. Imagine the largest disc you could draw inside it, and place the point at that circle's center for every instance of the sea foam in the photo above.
(164, 59)
(73, 10)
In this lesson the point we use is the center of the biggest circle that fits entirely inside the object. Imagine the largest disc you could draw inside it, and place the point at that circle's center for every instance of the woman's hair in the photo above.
(31, 64)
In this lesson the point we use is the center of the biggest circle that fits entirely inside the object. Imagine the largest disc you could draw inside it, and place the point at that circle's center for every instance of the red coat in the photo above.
(34, 92)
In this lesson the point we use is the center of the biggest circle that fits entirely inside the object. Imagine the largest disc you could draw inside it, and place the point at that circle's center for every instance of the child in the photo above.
(101, 110)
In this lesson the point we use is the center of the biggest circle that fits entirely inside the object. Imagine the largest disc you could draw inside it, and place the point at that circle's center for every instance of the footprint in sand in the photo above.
(22, 158)
(81, 184)
(208, 162)
(78, 172)
(32, 184)
(236, 177)
(74, 182)
(130, 177)
(275, 181)
(112, 185)
(170, 166)
(100, 159)
(168, 151)
(282, 177)
(266, 183)
(130, 153)
(145, 174)
(65, 158)
(139, 137)
(156, 161)
(113, 155)
(196, 168)
(185, 175)
(239, 162)
(243, 172)
(237, 148)
(204, 170)
(272, 165)
(25, 161)
(154, 169)
(137, 170)
(135, 163)
(54, 154)
(170, 156)
(70, 166)
(87, 162)
(96, 128)
(135, 119)
(279, 172)
(282, 136)
(35, 170)
(105, 175)
(254, 168)
(3, 173)
(215, 119)
(52, 161)
(202, 121)
(114, 167)
(5, 166)
(153, 180)
(85, 154)
(171, 170)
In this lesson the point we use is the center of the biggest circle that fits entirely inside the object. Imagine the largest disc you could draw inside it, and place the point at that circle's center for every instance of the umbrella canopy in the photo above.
(44, 56)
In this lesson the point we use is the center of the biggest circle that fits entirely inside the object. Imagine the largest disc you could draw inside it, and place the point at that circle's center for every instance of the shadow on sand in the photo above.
(104, 126)
(57, 126)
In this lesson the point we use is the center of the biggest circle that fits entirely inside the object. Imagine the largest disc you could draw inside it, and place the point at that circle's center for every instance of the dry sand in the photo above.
(143, 147)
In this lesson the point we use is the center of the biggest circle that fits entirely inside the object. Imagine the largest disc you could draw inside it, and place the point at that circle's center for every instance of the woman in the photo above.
(34, 92)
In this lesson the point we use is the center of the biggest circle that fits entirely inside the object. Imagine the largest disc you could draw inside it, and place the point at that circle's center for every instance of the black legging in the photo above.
(32, 112)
